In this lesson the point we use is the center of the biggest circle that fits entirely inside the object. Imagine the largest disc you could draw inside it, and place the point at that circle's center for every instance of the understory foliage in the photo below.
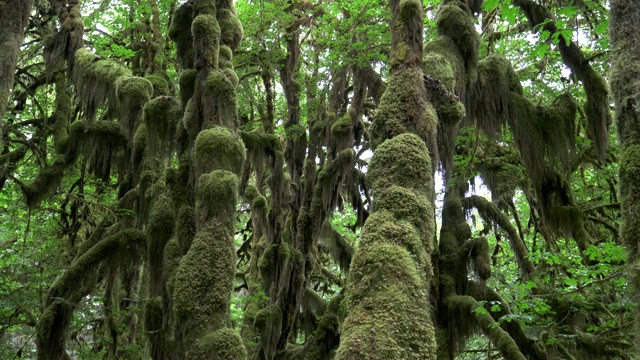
(301, 180)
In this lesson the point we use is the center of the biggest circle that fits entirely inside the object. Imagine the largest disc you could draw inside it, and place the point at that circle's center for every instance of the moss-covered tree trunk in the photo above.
(14, 17)
(625, 41)
(204, 277)
(388, 285)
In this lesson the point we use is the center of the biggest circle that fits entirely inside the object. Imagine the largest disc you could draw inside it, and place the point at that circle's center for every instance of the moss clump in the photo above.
(222, 344)
(153, 315)
(231, 28)
(187, 84)
(206, 40)
(95, 82)
(455, 21)
(185, 227)
(45, 183)
(160, 85)
(161, 117)
(220, 103)
(387, 302)
(403, 109)
(256, 200)
(204, 281)
(225, 57)
(402, 161)
(133, 93)
(180, 32)
(343, 126)
(443, 61)
(216, 196)
(409, 205)
(218, 148)
(490, 93)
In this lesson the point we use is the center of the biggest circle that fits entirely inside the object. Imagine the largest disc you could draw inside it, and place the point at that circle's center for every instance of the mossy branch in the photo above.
(490, 211)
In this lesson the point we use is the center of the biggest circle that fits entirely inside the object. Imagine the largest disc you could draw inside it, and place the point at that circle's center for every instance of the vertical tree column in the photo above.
(389, 316)
(625, 40)
(204, 278)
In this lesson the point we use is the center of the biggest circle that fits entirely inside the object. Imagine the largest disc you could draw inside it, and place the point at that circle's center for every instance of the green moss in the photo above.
(443, 61)
(221, 88)
(133, 93)
(231, 76)
(161, 117)
(231, 28)
(45, 183)
(387, 302)
(225, 57)
(153, 315)
(256, 200)
(343, 126)
(160, 84)
(203, 283)
(406, 204)
(180, 32)
(185, 227)
(403, 161)
(206, 39)
(187, 84)
(222, 344)
(403, 109)
(216, 196)
(455, 21)
(95, 81)
(171, 260)
(218, 148)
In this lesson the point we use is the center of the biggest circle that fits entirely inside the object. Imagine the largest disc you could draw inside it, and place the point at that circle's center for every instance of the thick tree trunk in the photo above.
(625, 41)
(388, 286)
(14, 17)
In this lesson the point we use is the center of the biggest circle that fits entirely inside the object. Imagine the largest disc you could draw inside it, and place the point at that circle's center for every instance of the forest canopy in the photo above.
(300, 180)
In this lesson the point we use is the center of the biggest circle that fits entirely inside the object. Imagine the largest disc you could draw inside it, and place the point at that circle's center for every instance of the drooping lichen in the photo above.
(95, 82)
(180, 32)
(161, 117)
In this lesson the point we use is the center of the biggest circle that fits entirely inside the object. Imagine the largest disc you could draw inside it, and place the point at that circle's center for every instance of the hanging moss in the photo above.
(180, 32)
(45, 183)
(218, 148)
(139, 150)
(187, 83)
(206, 39)
(153, 315)
(339, 248)
(343, 127)
(133, 93)
(100, 142)
(454, 20)
(231, 28)
(490, 93)
(95, 82)
(216, 196)
(161, 117)
(60, 116)
(476, 251)
(160, 226)
(443, 61)
(160, 85)
(185, 227)
(223, 344)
